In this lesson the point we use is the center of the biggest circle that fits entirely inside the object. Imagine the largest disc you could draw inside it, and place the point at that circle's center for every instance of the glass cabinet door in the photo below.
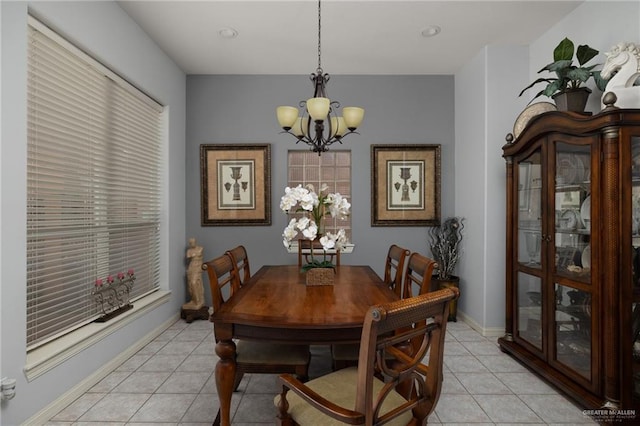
(572, 317)
(635, 266)
(529, 250)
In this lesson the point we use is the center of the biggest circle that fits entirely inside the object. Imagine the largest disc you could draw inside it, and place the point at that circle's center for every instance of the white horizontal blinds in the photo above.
(93, 182)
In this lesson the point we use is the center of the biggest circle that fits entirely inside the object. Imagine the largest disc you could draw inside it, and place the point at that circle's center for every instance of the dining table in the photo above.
(276, 305)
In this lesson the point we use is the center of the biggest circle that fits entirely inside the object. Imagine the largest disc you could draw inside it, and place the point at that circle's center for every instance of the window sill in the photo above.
(52, 354)
(293, 248)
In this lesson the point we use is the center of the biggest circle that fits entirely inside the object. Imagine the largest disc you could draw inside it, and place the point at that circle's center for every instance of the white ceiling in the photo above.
(358, 37)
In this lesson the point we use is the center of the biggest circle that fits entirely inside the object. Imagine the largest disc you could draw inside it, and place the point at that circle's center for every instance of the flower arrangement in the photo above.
(315, 206)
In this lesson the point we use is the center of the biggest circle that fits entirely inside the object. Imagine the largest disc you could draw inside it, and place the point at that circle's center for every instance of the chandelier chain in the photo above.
(319, 37)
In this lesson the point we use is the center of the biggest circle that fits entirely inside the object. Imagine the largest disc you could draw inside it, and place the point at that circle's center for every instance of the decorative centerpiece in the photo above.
(315, 207)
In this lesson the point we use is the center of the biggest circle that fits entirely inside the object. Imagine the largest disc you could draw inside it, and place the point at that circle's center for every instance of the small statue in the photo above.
(195, 308)
(622, 68)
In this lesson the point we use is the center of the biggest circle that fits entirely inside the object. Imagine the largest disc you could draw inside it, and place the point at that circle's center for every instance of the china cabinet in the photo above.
(572, 264)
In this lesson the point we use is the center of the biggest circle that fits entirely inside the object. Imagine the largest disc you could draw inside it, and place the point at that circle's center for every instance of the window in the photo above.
(332, 168)
(93, 182)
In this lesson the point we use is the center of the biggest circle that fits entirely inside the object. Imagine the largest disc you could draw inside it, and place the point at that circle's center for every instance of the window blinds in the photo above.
(93, 183)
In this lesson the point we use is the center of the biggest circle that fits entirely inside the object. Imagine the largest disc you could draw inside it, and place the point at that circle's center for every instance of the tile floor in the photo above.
(170, 382)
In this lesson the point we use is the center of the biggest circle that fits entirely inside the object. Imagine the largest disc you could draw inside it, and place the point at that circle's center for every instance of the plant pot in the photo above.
(572, 100)
(452, 281)
(320, 276)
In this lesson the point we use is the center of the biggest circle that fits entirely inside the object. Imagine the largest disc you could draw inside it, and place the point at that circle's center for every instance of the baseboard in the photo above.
(484, 331)
(43, 416)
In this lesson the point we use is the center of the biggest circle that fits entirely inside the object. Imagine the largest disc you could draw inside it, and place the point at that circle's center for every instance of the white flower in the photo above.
(341, 239)
(308, 201)
(303, 223)
(289, 233)
(338, 205)
(311, 231)
(327, 241)
(288, 201)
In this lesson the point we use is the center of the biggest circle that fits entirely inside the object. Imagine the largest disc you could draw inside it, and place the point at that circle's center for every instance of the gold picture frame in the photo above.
(405, 185)
(235, 184)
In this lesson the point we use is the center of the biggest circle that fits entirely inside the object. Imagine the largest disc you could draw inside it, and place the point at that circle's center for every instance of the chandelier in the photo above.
(319, 113)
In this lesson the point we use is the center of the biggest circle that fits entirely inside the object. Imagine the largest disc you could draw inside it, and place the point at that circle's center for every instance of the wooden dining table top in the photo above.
(276, 304)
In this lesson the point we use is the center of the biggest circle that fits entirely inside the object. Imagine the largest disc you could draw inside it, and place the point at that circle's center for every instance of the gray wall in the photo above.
(241, 109)
(103, 29)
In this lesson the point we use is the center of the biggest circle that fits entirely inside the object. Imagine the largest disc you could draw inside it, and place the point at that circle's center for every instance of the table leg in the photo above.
(225, 375)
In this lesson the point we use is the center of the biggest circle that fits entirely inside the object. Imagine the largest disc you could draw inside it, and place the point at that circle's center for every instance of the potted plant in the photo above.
(444, 241)
(567, 88)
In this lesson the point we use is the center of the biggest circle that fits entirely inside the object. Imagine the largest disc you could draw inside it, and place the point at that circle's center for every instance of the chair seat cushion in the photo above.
(255, 352)
(339, 387)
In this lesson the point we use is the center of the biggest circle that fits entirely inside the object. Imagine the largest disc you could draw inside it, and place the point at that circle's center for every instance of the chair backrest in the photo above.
(221, 273)
(304, 252)
(421, 320)
(419, 271)
(394, 268)
(240, 261)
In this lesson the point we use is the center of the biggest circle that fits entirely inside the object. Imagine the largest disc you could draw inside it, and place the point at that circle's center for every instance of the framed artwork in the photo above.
(405, 185)
(235, 184)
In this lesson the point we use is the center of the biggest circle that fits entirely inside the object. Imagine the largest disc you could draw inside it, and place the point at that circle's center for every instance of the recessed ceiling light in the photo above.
(431, 30)
(228, 33)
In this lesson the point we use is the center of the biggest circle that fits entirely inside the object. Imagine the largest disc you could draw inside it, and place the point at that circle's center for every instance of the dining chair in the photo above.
(304, 252)
(240, 260)
(253, 356)
(419, 271)
(394, 268)
(400, 391)
(344, 355)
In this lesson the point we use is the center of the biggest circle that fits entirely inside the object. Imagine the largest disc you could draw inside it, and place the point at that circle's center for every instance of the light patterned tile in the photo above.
(256, 408)
(133, 363)
(464, 364)
(184, 382)
(142, 382)
(554, 409)
(164, 408)
(178, 348)
(78, 407)
(460, 409)
(263, 383)
(482, 347)
(501, 364)
(198, 363)
(455, 348)
(451, 384)
(162, 363)
(482, 384)
(205, 407)
(506, 408)
(115, 407)
(108, 383)
(525, 383)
